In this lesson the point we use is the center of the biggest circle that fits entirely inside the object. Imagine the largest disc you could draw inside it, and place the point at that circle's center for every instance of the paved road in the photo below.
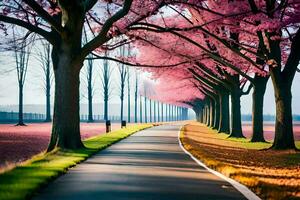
(148, 165)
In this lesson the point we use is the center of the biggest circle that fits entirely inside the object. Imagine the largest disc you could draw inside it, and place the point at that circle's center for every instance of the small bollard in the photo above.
(108, 126)
(123, 123)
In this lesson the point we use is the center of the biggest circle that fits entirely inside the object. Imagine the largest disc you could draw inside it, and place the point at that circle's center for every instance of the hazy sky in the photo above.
(34, 94)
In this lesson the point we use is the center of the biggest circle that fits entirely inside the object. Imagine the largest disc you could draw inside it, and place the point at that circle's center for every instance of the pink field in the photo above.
(19, 143)
(269, 130)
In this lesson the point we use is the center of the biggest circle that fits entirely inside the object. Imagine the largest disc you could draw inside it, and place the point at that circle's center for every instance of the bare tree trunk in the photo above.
(150, 102)
(48, 88)
(162, 112)
(90, 95)
(106, 107)
(158, 112)
(208, 113)
(141, 110)
(204, 114)
(224, 112)
(211, 112)
(128, 98)
(236, 122)
(154, 111)
(259, 90)
(284, 138)
(170, 113)
(145, 100)
(135, 102)
(66, 122)
(20, 120)
(122, 106)
(135, 109)
(217, 113)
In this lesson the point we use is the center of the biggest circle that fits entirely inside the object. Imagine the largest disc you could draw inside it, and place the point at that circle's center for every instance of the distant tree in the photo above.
(123, 73)
(150, 111)
(158, 111)
(154, 111)
(21, 50)
(162, 111)
(141, 109)
(128, 95)
(145, 105)
(44, 56)
(88, 83)
(136, 97)
(89, 78)
(106, 85)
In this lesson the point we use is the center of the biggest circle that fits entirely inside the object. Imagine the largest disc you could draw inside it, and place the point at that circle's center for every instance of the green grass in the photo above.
(243, 142)
(298, 144)
(24, 180)
(246, 143)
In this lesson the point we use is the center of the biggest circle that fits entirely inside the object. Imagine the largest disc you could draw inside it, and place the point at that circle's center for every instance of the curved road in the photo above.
(147, 165)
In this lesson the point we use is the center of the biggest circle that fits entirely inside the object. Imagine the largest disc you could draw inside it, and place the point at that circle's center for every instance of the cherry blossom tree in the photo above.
(61, 23)
(247, 43)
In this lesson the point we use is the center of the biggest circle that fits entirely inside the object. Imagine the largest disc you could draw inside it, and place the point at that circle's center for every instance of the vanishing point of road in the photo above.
(147, 165)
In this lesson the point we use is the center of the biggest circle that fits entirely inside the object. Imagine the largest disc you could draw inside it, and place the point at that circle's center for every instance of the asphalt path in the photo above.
(147, 165)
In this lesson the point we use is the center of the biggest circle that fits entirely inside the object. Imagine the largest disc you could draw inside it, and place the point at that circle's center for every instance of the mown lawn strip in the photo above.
(25, 179)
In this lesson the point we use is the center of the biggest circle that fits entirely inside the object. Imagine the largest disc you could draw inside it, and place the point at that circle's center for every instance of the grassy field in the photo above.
(22, 181)
(270, 174)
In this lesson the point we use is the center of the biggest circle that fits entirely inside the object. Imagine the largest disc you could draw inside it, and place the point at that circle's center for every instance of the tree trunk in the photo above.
(208, 114)
(259, 90)
(154, 111)
(141, 110)
(224, 113)
(198, 116)
(162, 112)
(128, 105)
(145, 110)
(158, 112)
(236, 122)
(284, 138)
(201, 116)
(90, 97)
(66, 121)
(217, 113)
(48, 95)
(204, 114)
(169, 112)
(20, 120)
(135, 108)
(106, 107)
(150, 112)
(122, 109)
(211, 112)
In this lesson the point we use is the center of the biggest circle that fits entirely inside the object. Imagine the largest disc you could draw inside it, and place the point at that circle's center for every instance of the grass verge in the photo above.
(25, 179)
(270, 174)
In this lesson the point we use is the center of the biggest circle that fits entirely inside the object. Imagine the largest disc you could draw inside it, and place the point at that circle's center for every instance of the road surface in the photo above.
(147, 165)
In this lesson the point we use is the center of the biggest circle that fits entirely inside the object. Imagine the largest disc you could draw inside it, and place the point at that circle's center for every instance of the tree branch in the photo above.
(45, 15)
(133, 64)
(28, 26)
(101, 38)
(293, 60)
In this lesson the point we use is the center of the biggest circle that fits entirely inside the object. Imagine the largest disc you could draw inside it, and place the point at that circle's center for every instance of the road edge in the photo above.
(240, 187)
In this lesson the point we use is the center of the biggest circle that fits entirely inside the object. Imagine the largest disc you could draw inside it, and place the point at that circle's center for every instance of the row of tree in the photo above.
(22, 54)
(230, 56)
(214, 47)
